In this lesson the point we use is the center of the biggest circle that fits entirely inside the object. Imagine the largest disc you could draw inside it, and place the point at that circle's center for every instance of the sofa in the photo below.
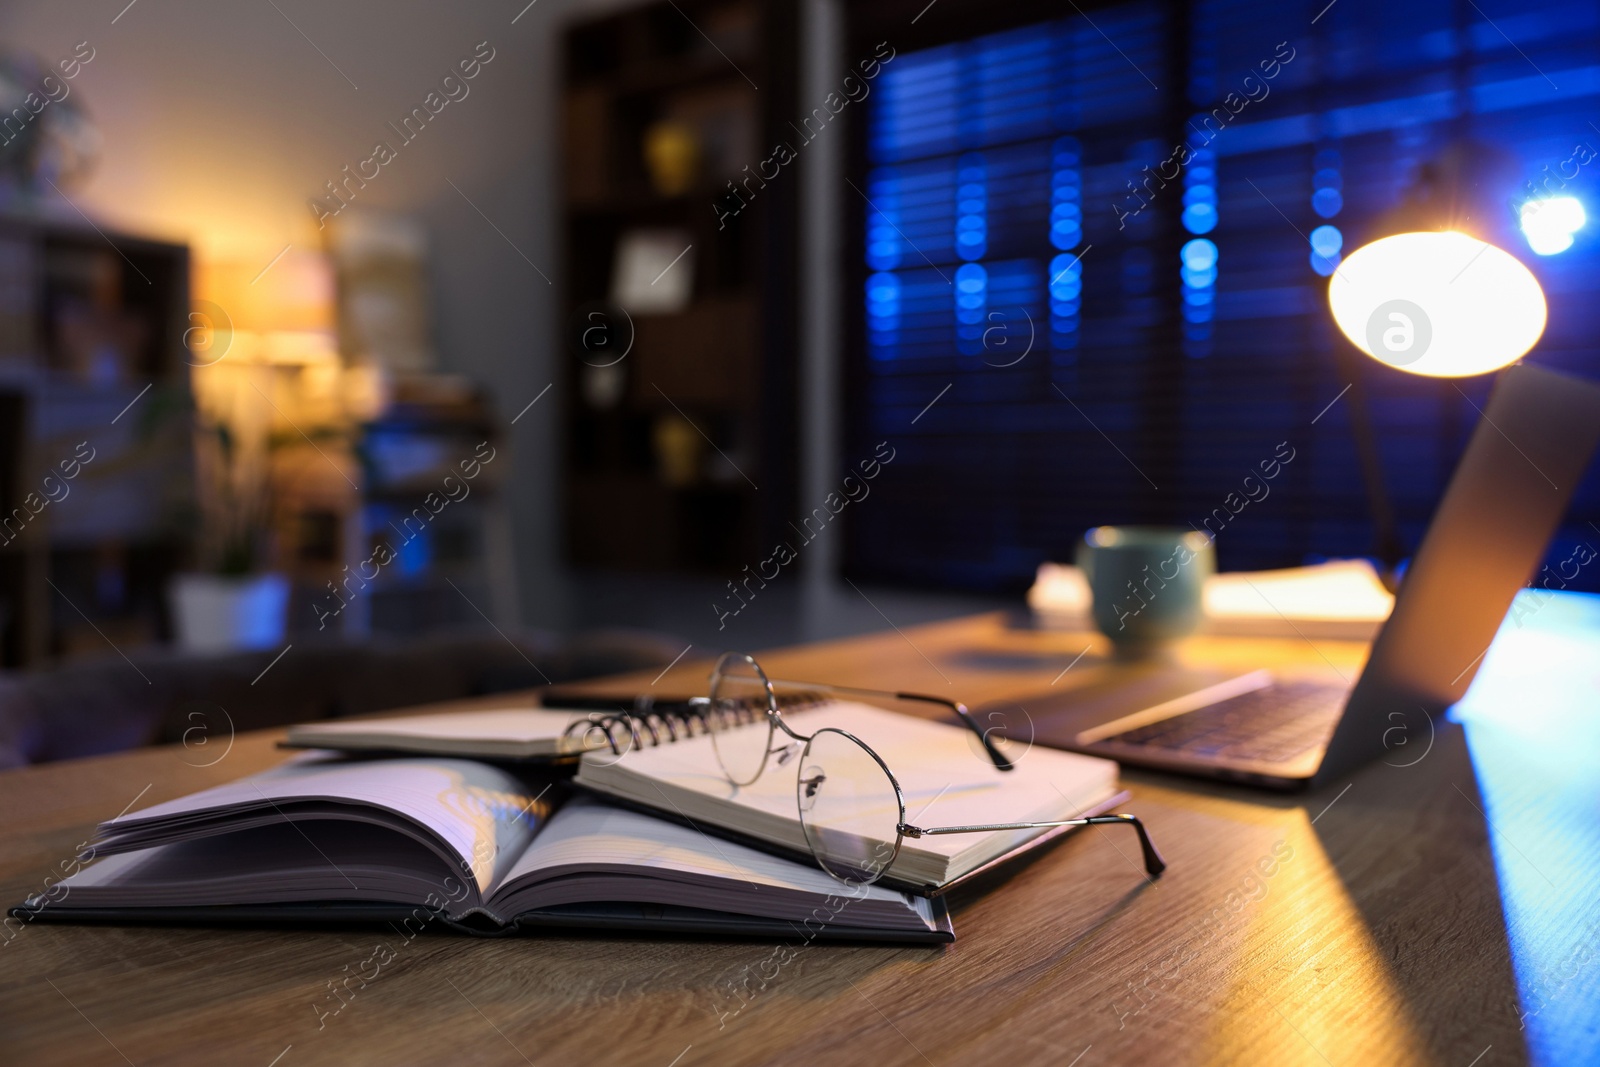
(111, 704)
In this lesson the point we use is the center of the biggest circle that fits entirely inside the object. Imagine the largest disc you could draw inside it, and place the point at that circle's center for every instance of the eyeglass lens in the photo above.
(849, 808)
(741, 732)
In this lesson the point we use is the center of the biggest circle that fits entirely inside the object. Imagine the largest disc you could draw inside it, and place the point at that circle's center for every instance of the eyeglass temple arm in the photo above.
(995, 755)
(1153, 863)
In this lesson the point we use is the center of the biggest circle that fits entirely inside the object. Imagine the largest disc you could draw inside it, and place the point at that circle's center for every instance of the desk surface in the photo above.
(1431, 913)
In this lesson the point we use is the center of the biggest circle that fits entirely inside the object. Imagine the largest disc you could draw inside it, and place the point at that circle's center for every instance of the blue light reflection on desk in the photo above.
(1532, 722)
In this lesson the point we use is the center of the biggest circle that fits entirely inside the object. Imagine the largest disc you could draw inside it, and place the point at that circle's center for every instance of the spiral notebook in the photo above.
(504, 734)
(943, 775)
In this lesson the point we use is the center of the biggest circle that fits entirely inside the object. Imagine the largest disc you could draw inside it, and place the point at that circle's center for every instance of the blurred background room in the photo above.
(355, 356)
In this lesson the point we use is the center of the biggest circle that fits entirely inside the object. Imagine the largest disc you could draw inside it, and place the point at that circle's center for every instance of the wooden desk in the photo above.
(1384, 932)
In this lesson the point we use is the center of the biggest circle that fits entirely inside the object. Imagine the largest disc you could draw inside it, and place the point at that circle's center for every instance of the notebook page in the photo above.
(944, 775)
(516, 731)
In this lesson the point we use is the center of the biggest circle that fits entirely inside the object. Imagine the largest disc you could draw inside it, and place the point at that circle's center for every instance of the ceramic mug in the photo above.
(1146, 582)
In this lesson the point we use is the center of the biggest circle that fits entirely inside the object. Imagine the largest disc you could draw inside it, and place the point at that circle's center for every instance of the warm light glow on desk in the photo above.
(1441, 304)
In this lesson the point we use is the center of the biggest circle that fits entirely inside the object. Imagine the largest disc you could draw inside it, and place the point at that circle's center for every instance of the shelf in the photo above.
(718, 363)
(644, 201)
(666, 76)
(665, 40)
(85, 335)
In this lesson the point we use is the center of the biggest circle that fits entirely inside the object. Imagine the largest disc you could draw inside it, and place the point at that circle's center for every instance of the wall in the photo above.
(220, 121)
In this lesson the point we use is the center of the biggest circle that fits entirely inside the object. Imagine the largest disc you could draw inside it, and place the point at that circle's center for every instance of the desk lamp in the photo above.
(1438, 294)
(1438, 291)
(1444, 304)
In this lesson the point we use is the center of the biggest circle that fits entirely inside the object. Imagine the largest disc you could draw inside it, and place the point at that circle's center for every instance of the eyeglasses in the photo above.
(852, 808)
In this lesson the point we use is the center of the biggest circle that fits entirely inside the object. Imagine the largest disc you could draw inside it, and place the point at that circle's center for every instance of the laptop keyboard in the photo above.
(1273, 724)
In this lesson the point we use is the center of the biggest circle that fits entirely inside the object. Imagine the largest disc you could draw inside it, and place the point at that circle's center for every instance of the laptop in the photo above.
(1263, 728)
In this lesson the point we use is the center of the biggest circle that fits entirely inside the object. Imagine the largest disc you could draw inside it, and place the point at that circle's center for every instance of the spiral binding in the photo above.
(676, 721)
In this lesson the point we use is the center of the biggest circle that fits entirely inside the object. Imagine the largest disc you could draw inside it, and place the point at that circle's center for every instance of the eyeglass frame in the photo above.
(1153, 862)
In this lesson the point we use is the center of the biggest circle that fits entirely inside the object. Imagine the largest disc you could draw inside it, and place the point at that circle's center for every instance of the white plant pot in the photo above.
(214, 613)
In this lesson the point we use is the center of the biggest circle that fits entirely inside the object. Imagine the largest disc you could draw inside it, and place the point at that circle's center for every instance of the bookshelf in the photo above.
(95, 463)
(679, 423)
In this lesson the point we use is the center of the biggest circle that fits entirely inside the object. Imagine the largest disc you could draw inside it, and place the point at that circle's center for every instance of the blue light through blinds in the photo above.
(1378, 92)
(983, 156)
(1052, 333)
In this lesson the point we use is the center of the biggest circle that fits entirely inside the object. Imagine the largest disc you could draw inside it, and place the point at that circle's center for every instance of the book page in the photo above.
(279, 863)
(666, 863)
(484, 815)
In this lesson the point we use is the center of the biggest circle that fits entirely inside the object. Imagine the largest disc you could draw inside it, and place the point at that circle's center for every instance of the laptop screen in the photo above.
(1488, 535)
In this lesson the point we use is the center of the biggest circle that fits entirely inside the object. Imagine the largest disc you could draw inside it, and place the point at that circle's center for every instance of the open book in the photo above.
(470, 845)
(945, 778)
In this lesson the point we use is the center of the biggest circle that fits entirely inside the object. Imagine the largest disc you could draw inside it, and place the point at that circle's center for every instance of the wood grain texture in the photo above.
(1378, 936)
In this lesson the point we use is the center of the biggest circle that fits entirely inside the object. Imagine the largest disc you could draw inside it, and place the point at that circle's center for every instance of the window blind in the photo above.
(1059, 325)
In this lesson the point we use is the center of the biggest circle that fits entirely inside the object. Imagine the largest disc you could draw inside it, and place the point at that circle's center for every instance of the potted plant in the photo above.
(233, 602)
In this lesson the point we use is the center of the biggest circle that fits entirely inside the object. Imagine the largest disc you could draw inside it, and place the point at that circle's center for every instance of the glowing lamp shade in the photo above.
(1440, 304)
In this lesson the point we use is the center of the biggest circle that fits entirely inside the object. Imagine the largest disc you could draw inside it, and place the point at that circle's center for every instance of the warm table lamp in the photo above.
(282, 314)
(1438, 294)
(1442, 304)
